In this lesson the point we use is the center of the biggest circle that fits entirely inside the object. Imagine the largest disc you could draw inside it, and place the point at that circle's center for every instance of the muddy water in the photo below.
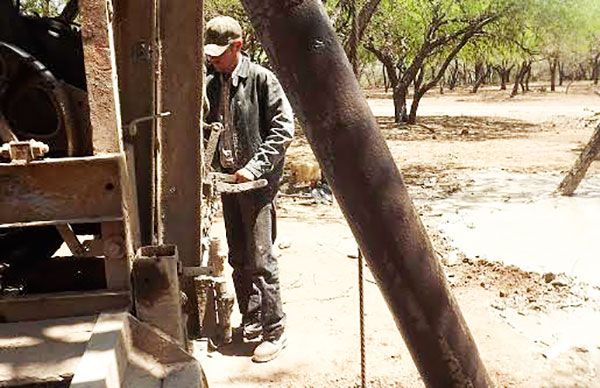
(515, 218)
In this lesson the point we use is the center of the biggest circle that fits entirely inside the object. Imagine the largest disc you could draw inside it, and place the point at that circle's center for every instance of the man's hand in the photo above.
(242, 175)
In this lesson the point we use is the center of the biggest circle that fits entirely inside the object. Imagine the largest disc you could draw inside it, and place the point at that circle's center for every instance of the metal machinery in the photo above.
(114, 106)
(69, 169)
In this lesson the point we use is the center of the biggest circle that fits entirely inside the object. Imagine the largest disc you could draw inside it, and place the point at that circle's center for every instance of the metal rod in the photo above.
(311, 64)
(361, 321)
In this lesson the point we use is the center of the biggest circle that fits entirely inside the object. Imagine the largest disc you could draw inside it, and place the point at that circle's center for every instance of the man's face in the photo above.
(226, 62)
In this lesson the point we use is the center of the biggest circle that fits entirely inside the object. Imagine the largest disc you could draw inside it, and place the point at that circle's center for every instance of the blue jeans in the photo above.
(250, 224)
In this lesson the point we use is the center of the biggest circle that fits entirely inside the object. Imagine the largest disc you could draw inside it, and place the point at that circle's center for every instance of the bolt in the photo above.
(113, 248)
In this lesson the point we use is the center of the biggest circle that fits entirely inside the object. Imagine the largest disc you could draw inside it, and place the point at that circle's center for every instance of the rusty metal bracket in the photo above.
(156, 290)
(132, 126)
(22, 152)
(142, 51)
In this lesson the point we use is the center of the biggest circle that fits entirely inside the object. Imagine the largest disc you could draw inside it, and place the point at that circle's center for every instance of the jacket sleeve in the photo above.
(281, 129)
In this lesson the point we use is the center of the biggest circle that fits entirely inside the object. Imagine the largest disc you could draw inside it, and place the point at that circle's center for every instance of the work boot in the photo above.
(269, 349)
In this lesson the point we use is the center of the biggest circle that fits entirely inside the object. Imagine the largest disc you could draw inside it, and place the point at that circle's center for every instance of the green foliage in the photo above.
(235, 9)
(42, 7)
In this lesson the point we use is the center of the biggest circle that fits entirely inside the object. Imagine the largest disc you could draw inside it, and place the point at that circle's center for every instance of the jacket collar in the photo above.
(241, 70)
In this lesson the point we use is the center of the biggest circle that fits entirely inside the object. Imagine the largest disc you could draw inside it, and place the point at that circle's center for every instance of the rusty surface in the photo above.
(344, 136)
(101, 74)
(157, 295)
(179, 87)
(59, 305)
(116, 266)
(22, 152)
(135, 48)
(61, 190)
(59, 120)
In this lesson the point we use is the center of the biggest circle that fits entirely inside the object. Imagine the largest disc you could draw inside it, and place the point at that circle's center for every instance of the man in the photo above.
(259, 126)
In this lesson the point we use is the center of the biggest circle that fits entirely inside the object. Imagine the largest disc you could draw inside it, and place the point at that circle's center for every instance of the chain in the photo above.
(361, 307)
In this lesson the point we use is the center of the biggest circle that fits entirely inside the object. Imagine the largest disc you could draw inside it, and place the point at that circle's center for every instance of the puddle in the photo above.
(515, 218)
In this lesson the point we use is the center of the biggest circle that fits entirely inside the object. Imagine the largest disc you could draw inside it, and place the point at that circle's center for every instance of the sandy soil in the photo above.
(470, 159)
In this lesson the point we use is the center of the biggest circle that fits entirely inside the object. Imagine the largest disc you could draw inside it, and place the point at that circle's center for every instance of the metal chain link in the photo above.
(361, 307)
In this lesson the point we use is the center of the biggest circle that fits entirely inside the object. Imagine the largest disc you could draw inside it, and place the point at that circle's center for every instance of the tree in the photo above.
(564, 30)
(577, 172)
(42, 7)
(235, 9)
(417, 40)
(351, 19)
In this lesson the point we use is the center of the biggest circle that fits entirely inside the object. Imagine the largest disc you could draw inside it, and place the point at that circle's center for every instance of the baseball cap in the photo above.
(220, 32)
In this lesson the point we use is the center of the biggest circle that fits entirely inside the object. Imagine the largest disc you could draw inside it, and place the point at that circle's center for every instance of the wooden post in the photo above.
(575, 175)
(179, 158)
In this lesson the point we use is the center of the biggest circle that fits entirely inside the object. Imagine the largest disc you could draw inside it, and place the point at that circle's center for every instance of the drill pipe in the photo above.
(318, 79)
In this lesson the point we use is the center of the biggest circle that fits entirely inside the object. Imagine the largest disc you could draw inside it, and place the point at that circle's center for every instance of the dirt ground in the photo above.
(534, 326)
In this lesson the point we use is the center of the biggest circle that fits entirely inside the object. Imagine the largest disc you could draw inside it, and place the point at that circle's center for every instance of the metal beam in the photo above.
(136, 51)
(60, 305)
(157, 295)
(101, 74)
(179, 91)
(105, 117)
(55, 191)
(344, 136)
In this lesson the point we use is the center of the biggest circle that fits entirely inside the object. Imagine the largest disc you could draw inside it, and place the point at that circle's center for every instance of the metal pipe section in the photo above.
(311, 64)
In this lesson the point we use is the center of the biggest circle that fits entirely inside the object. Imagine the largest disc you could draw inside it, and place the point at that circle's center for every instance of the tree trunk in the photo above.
(502, 81)
(465, 74)
(524, 82)
(454, 76)
(412, 117)
(504, 74)
(386, 84)
(480, 74)
(414, 106)
(561, 73)
(582, 73)
(577, 172)
(352, 46)
(506, 77)
(596, 74)
(360, 21)
(519, 79)
(553, 65)
(400, 92)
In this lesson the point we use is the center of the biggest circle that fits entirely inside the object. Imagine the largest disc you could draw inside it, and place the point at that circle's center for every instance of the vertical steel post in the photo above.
(135, 48)
(344, 136)
(179, 91)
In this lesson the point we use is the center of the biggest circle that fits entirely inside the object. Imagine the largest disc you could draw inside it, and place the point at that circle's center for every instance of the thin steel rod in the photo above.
(361, 321)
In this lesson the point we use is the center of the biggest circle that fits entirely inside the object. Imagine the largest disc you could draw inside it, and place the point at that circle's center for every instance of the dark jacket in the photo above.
(261, 115)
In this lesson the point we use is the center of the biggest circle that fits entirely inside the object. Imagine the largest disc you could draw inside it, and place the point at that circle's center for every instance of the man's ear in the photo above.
(238, 43)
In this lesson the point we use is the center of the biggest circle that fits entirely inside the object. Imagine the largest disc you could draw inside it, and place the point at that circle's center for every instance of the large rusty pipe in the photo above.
(311, 64)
